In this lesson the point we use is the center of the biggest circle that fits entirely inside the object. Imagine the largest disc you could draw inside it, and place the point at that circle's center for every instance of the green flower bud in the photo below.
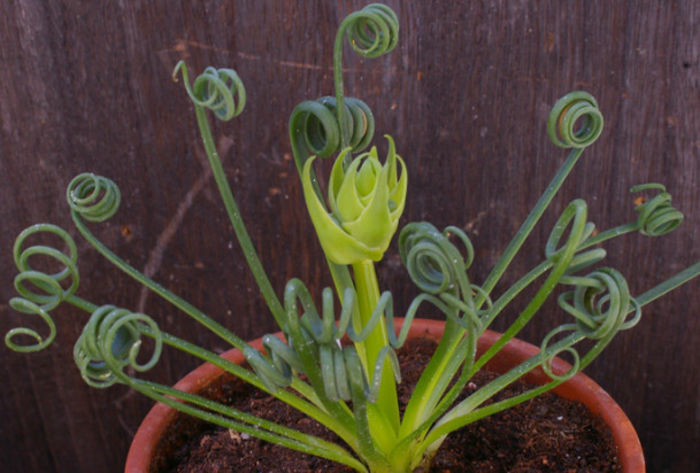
(366, 201)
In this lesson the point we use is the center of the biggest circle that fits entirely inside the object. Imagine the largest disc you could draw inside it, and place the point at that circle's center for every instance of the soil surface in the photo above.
(546, 434)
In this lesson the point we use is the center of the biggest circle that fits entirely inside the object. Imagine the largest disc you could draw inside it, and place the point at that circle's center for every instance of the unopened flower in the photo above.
(366, 201)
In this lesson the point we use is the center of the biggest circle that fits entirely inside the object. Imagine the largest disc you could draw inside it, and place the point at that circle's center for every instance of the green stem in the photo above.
(609, 234)
(415, 414)
(454, 418)
(578, 209)
(338, 82)
(466, 349)
(342, 279)
(81, 303)
(671, 283)
(385, 412)
(516, 289)
(234, 214)
(428, 387)
(529, 223)
(177, 301)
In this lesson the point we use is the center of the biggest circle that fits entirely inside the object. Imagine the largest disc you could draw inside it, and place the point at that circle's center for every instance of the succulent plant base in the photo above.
(549, 433)
(530, 437)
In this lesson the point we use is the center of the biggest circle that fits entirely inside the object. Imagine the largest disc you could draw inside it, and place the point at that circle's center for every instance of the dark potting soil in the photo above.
(546, 434)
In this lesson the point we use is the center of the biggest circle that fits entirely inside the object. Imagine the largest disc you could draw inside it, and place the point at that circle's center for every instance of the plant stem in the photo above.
(423, 397)
(385, 411)
(234, 214)
(338, 82)
(578, 208)
(81, 303)
(414, 414)
(455, 418)
(177, 301)
(671, 283)
(529, 223)
(610, 233)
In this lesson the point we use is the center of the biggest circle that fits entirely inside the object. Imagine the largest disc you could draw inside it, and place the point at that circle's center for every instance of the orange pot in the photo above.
(580, 388)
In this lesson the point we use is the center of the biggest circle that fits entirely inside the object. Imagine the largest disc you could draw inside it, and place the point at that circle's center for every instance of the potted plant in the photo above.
(351, 388)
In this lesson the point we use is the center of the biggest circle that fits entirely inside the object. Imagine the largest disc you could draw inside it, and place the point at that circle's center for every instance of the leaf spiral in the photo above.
(434, 264)
(574, 217)
(437, 267)
(40, 291)
(110, 342)
(316, 131)
(600, 304)
(564, 115)
(657, 216)
(551, 354)
(94, 198)
(372, 31)
(220, 90)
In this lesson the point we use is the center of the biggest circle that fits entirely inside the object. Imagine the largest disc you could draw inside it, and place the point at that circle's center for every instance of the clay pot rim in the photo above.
(580, 387)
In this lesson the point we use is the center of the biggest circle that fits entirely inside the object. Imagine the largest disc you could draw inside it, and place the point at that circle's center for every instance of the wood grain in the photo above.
(86, 86)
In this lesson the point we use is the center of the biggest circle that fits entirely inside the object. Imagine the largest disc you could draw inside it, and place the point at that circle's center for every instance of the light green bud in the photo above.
(366, 201)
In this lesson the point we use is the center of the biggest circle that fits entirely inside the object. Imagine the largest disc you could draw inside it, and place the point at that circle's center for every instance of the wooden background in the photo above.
(85, 86)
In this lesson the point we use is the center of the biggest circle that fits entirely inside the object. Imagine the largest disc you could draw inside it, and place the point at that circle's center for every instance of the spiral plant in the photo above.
(337, 363)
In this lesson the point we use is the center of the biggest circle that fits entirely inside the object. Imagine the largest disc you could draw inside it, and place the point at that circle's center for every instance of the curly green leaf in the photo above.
(657, 216)
(110, 342)
(562, 123)
(219, 90)
(40, 291)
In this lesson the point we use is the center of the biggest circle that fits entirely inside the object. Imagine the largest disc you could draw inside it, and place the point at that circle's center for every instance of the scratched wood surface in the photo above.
(84, 86)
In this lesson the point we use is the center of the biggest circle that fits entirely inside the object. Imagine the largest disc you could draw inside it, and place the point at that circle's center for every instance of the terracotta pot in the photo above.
(580, 388)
